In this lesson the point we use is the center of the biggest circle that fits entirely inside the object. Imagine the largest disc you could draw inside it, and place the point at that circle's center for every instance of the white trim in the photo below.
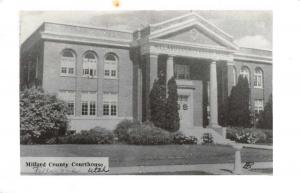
(199, 17)
(190, 23)
(91, 27)
(86, 39)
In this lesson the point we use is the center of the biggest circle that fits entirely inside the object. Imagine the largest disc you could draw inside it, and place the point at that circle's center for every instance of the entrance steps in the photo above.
(218, 135)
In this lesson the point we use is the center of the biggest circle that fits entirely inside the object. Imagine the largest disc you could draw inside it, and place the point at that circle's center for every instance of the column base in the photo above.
(219, 129)
(215, 126)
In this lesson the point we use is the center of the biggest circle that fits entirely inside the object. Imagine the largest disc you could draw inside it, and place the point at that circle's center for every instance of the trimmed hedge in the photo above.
(148, 134)
(96, 135)
(250, 135)
(122, 129)
(132, 132)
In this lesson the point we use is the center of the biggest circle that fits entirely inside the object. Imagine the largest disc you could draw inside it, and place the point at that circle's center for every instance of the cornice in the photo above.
(253, 58)
(85, 39)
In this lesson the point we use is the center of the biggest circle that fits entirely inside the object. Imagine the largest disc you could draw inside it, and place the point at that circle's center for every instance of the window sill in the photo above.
(110, 78)
(258, 87)
(90, 77)
(67, 75)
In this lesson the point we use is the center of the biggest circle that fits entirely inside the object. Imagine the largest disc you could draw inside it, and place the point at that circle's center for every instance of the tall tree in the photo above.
(266, 117)
(239, 112)
(172, 116)
(158, 103)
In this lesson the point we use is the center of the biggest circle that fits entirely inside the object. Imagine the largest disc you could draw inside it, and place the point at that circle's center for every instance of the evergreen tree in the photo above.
(172, 115)
(266, 117)
(239, 112)
(158, 103)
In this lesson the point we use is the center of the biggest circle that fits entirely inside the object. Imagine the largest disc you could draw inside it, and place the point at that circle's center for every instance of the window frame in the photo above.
(89, 65)
(68, 63)
(89, 99)
(260, 107)
(111, 65)
(258, 77)
(186, 72)
(68, 96)
(112, 103)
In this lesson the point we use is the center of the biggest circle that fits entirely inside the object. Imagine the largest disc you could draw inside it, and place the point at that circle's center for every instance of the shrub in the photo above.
(246, 135)
(121, 131)
(238, 104)
(26, 139)
(207, 138)
(172, 122)
(42, 116)
(96, 135)
(179, 138)
(148, 134)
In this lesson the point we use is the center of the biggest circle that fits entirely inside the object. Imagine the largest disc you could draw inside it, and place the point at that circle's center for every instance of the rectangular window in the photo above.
(258, 105)
(63, 70)
(92, 108)
(69, 98)
(71, 108)
(110, 70)
(113, 73)
(88, 103)
(84, 108)
(113, 110)
(182, 71)
(110, 104)
(89, 68)
(106, 73)
(71, 70)
(106, 109)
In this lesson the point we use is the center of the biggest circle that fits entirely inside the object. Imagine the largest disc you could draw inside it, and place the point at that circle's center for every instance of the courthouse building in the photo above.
(105, 75)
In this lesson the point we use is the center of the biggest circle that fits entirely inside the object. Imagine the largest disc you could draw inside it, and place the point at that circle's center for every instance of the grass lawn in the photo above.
(138, 155)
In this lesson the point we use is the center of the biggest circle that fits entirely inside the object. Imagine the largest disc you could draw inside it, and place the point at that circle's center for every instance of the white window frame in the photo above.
(67, 63)
(110, 100)
(258, 78)
(111, 66)
(69, 97)
(258, 105)
(89, 98)
(186, 71)
(89, 66)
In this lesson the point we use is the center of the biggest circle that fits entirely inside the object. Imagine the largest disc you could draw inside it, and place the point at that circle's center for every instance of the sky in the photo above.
(249, 28)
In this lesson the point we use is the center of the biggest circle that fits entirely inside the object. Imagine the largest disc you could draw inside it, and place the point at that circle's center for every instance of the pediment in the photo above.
(191, 28)
(191, 35)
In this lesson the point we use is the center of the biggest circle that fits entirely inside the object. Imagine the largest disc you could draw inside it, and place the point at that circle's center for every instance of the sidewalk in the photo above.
(214, 169)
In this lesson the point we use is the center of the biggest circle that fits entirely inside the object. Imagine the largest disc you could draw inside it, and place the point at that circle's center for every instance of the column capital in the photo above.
(212, 61)
(153, 55)
(230, 62)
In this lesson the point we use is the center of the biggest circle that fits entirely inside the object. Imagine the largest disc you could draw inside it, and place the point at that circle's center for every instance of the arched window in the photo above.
(234, 74)
(258, 78)
(89, 66)
(245, 72)
(67, 63)
(111, 66)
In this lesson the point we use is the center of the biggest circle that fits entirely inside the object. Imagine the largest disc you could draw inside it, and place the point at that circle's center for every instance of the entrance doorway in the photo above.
(185, 111)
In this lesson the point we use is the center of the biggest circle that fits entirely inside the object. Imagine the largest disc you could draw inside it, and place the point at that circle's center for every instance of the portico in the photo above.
(191, 50)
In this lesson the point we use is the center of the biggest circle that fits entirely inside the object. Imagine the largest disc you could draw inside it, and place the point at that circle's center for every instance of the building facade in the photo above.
(106, 75)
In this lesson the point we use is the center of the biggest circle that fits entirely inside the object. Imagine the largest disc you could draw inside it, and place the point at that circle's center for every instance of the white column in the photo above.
(170, 68)
(213, 96)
